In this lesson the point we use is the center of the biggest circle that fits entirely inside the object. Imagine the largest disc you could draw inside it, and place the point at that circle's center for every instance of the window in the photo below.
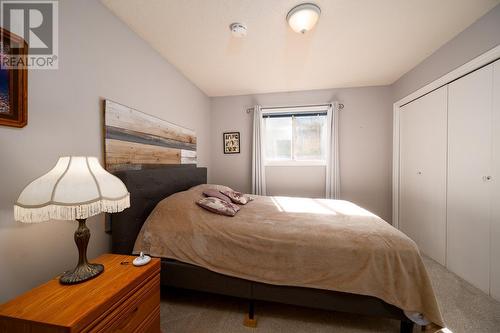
(295, 137)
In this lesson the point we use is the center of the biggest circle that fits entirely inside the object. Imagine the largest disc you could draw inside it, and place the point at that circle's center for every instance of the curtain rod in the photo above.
(341, 106)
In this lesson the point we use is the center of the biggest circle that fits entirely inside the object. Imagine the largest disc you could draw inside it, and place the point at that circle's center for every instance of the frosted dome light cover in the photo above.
(76, 188)
(303, 17)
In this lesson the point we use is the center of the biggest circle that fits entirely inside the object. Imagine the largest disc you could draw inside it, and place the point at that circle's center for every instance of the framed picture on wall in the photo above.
(13, 81)
(231, 142)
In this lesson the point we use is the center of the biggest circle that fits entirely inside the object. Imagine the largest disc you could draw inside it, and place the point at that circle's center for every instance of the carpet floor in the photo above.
(465, 310)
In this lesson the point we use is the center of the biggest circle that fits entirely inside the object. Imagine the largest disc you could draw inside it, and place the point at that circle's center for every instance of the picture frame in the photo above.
(231, 142)
(13, 82)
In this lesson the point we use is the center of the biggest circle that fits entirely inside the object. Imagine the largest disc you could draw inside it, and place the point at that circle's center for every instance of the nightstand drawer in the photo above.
(138, 311)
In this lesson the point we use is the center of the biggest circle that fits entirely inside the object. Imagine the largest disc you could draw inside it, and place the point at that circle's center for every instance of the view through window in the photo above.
(297, 136)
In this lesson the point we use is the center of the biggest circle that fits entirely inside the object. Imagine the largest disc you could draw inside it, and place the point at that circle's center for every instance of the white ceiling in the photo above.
(356, 42)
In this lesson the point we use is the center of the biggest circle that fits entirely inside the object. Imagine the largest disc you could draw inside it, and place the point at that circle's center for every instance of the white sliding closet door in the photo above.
(495, 212)
(423, 144)
(469, 165)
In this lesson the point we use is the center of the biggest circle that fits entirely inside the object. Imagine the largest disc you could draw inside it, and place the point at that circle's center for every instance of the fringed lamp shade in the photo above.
(76, 188)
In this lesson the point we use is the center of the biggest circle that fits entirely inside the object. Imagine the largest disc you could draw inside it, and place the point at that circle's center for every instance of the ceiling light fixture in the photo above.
(303, 17)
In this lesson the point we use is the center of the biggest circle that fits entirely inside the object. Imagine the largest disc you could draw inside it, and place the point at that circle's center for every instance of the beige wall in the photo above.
(365, 146)
(99, 58)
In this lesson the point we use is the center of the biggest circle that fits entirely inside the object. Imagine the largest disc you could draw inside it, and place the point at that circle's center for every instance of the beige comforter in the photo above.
(325, 244)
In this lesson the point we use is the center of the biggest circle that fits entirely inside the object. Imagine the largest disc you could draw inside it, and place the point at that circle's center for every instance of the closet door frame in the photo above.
(478, 62)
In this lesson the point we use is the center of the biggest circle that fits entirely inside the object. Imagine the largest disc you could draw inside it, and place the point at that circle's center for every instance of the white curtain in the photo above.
(258, 169)
(332, 153)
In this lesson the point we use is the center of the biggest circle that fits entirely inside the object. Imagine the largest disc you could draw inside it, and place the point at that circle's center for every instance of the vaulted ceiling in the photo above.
(356, 42)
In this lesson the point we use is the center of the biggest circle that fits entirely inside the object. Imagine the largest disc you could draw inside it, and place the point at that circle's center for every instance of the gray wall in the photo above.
(365, 146)
(99, 58)
(478, 38)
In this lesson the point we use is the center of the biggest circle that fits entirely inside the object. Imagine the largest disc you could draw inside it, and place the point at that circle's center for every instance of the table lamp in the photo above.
(75, 189)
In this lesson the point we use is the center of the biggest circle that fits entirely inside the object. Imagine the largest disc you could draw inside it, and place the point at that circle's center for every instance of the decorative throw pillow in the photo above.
(217, 194)
(238, 197)
(203, 187)
(218, 206)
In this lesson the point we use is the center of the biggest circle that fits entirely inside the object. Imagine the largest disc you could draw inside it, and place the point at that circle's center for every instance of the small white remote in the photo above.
(141, 260)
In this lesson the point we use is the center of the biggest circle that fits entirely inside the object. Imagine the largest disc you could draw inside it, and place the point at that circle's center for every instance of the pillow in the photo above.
(203, 187)
(237, 197)
(216, 194)
(218, 206)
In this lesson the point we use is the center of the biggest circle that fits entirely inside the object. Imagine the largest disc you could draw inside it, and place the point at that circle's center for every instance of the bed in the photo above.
(225, 256)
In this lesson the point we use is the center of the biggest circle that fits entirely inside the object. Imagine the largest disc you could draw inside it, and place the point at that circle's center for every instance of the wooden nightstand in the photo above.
(124, 298)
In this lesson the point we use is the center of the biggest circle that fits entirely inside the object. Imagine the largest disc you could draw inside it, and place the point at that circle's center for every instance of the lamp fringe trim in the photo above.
(57, 212)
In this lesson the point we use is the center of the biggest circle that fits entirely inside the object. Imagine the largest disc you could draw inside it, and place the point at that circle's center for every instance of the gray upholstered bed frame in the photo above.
(147, 187)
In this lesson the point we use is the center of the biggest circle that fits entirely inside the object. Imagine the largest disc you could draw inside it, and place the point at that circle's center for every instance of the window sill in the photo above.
(294, 163)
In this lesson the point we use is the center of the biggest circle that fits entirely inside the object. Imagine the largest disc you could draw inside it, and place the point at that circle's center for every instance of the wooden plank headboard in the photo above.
(135, 140)
(148, 187)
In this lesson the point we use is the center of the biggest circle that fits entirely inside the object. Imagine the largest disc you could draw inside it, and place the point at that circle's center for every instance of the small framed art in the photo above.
(13, 81)
(231, 142)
